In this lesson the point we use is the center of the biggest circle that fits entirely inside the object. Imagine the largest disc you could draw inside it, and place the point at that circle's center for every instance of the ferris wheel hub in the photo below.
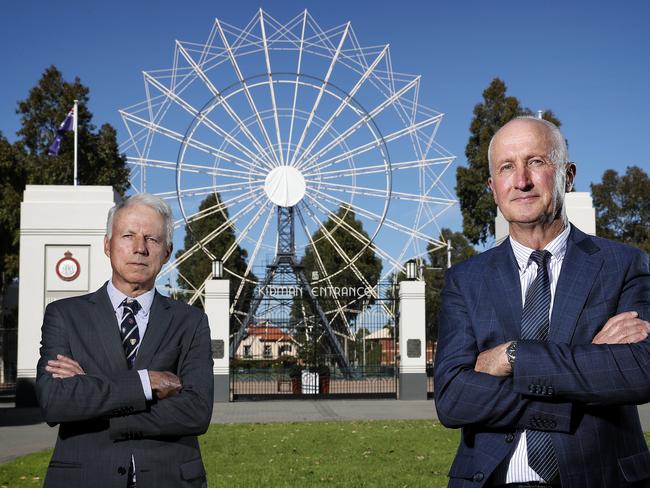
(285, 186)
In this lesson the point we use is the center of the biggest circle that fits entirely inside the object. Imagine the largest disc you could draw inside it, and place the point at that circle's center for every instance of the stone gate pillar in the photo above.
(412, 341)
(62, 231)
(217, 308)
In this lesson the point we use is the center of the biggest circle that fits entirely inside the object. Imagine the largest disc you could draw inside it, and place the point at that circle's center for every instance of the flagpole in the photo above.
(76, 180)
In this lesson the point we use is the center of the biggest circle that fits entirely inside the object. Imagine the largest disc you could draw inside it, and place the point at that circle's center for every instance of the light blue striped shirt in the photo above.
(516, 469)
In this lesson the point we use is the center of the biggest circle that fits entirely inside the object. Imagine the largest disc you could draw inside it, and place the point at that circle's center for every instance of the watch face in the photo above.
(68, 268)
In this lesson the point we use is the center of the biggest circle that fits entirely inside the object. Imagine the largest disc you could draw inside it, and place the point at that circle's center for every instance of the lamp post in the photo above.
(411, 270)
(217, 269)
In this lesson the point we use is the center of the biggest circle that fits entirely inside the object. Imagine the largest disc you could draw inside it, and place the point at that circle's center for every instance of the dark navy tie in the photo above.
(129, 330)
(535, 326)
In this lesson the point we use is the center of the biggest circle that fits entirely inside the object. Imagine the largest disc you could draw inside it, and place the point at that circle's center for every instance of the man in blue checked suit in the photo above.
(543, 349)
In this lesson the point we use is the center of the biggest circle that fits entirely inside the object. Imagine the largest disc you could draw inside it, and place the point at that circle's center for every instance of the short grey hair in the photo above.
(559, 153)
(148, 200)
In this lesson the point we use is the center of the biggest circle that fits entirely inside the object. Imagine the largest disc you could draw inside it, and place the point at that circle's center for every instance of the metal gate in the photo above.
(286, 350)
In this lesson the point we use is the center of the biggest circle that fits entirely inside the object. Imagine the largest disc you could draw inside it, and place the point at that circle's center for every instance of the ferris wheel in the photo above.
(290, 121)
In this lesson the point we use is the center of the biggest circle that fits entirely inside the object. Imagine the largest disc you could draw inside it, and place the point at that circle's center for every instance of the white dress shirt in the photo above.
(516, 469)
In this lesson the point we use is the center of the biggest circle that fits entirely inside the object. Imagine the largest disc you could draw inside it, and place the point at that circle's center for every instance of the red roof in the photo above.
(269, 333)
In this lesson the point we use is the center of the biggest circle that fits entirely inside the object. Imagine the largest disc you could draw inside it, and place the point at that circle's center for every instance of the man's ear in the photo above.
(490, 185)
(570, 176)
(107, 246)
(170, 248)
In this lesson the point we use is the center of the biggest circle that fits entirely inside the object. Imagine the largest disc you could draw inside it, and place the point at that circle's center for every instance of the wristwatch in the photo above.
(511, 352)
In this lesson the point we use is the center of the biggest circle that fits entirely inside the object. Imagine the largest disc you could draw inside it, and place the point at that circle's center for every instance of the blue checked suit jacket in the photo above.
(585, 395)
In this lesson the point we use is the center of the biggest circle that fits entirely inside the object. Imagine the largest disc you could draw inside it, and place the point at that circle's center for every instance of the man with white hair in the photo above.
(125, 371)
(543, 349)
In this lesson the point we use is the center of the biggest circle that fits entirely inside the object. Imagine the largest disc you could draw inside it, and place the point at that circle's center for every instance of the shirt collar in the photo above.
(117, 297)
(557, 248)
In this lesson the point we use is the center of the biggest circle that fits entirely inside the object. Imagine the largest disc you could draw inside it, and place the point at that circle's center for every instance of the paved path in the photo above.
(23, 432)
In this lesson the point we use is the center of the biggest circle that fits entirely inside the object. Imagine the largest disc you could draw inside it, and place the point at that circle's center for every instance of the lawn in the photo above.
(334, 454)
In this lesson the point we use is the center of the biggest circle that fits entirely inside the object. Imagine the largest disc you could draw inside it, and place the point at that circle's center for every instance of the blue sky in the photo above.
(587, 61)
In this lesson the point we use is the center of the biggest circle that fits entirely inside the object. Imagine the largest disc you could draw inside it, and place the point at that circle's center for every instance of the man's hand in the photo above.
(624, 328)
(494, 361)
(63, 367)
(164, 384)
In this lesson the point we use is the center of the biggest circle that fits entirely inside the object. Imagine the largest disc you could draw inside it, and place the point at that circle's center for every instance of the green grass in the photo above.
(334, 454)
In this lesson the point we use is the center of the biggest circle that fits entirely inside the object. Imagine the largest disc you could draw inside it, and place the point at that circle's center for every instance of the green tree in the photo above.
(194, 270)
(26, 161)
(46, 106)
(13, 177)
(623, 207)
(476, 202)
(434, 275)
(339, 230)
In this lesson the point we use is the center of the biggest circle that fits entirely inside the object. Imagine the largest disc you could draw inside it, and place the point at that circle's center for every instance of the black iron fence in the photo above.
(288, 351)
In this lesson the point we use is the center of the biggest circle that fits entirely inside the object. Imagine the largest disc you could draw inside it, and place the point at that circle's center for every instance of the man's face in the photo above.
(524, 181)
(137, 248)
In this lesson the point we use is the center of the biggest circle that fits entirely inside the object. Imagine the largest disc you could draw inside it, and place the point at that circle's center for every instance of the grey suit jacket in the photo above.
(103, 416)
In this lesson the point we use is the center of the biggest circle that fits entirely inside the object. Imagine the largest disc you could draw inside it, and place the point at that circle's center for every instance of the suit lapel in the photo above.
(106, 328)
(160, 318)
(504, 288)
(579, 269)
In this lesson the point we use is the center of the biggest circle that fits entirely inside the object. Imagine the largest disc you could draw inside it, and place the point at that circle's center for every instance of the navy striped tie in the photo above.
(535, 325)
(129, 330)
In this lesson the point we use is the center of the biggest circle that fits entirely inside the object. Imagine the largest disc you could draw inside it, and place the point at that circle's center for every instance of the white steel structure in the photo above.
(290, 115)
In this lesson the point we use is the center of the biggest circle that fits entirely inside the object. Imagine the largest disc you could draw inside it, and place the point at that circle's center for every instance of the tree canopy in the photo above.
(194, 270)
(622, 204)
(26, 161)
(338, 229)
(476, 202)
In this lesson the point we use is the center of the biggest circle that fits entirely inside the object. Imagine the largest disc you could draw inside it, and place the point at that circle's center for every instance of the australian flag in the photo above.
(66, 125)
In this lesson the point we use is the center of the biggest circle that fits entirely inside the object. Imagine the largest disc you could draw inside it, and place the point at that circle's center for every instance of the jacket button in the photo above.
(478, 477)
(510, 437)
(121, 470)
(550, 390)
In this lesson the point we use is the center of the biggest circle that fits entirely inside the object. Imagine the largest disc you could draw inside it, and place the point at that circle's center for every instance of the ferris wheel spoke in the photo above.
(345, 102)
(338, 220)
(378, 192)
(374, 216)
(378, 168)
(267, 58)
(203, 119)
(224, 103)
(253, 258)
(244, 85)
(307, 160)
(296, 84)
(244, 232)
(222, 205)
(196, 169)
(354, 232)
(320, 93)
(206, 190)
(209, 237)
(321, 266)
(373, 144)
(194, 143)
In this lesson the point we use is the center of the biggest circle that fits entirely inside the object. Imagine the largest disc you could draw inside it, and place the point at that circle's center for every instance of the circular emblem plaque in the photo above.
(68, 268)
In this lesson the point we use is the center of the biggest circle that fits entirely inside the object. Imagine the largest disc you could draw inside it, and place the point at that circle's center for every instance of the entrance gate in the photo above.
(286, 352)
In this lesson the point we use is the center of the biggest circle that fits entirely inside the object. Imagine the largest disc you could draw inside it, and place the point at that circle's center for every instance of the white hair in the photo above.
(148, 200)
